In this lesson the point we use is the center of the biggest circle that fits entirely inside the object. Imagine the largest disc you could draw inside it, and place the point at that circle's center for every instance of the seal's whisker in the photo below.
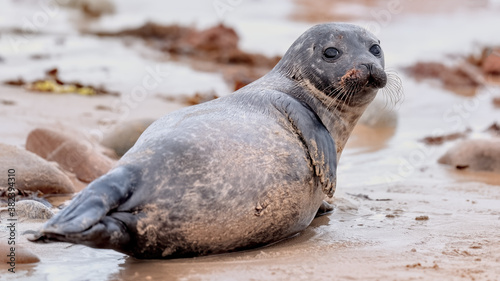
(350, 93)
(353, 92)
(330, 93)
(335, 101)
(346, 97)
(335, 97)
(396, 84)
(393, 91)
(342, 96)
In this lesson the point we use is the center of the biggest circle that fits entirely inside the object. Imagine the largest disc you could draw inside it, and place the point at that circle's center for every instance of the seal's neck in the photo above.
(337, 116)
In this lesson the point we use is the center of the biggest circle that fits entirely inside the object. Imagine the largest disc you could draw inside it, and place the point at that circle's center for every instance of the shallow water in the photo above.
(364, 238)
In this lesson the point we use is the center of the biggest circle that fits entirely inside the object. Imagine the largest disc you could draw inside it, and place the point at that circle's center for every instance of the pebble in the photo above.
(124, 135)
(491, 64)
(92, 8)
(32, 209)
(474, 154)
(81, 157)
(22, 255)
(32, 172)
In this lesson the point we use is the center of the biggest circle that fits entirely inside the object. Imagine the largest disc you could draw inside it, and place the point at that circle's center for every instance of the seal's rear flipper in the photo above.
(84, 221)
(109, 233)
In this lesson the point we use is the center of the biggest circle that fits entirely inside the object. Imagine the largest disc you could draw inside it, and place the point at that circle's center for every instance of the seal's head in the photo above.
(338, 63)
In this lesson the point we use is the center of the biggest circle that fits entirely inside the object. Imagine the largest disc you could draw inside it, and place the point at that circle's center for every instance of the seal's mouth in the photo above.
(356, 80)
(352, 82)
(351, 78)
(359, 85)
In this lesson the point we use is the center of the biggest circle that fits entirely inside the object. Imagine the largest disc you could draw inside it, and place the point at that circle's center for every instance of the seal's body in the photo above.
(238, 172)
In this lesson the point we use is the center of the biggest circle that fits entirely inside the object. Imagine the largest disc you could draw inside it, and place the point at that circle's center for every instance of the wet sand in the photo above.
(386, 179)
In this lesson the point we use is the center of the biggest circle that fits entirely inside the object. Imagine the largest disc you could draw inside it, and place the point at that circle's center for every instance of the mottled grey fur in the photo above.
(238, 172)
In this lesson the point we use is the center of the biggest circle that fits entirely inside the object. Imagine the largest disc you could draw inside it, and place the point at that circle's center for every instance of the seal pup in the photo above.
(238, 172)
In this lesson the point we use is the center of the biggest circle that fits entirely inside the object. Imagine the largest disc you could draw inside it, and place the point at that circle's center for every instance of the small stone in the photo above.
(125, 135)
(33, 210)
(476, 246)
(81, 157)
(91, 8)
(476, 155)
(22, 254)
(494, 128)
(422, 218)
(32, 173)
(491, 64)
(496, 102)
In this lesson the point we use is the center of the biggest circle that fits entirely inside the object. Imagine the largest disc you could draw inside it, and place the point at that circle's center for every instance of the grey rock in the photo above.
(475, 154)
(125, 135)
(32, 172)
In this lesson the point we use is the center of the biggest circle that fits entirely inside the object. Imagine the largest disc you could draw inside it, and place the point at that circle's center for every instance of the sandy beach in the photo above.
(399, 214)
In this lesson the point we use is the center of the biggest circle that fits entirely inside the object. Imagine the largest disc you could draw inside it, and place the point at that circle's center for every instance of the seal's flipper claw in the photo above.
(324, 209)
(109, 233)
(90, 207)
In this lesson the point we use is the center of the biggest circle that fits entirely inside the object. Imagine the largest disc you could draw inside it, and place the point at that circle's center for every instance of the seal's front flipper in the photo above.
(86, 215)
(324, 209)
(316, 138)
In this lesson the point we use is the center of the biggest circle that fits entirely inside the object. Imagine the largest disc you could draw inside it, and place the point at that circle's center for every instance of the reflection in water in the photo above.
(365, 139)
(78, 263)
(211, 267)
(473, 176)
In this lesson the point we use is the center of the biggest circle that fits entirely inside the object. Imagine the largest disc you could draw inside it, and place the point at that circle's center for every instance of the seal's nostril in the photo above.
(375, 77)
(368, 66)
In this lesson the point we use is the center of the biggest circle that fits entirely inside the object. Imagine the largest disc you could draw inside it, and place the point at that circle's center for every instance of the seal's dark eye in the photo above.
(331, 53)
(376, 50)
